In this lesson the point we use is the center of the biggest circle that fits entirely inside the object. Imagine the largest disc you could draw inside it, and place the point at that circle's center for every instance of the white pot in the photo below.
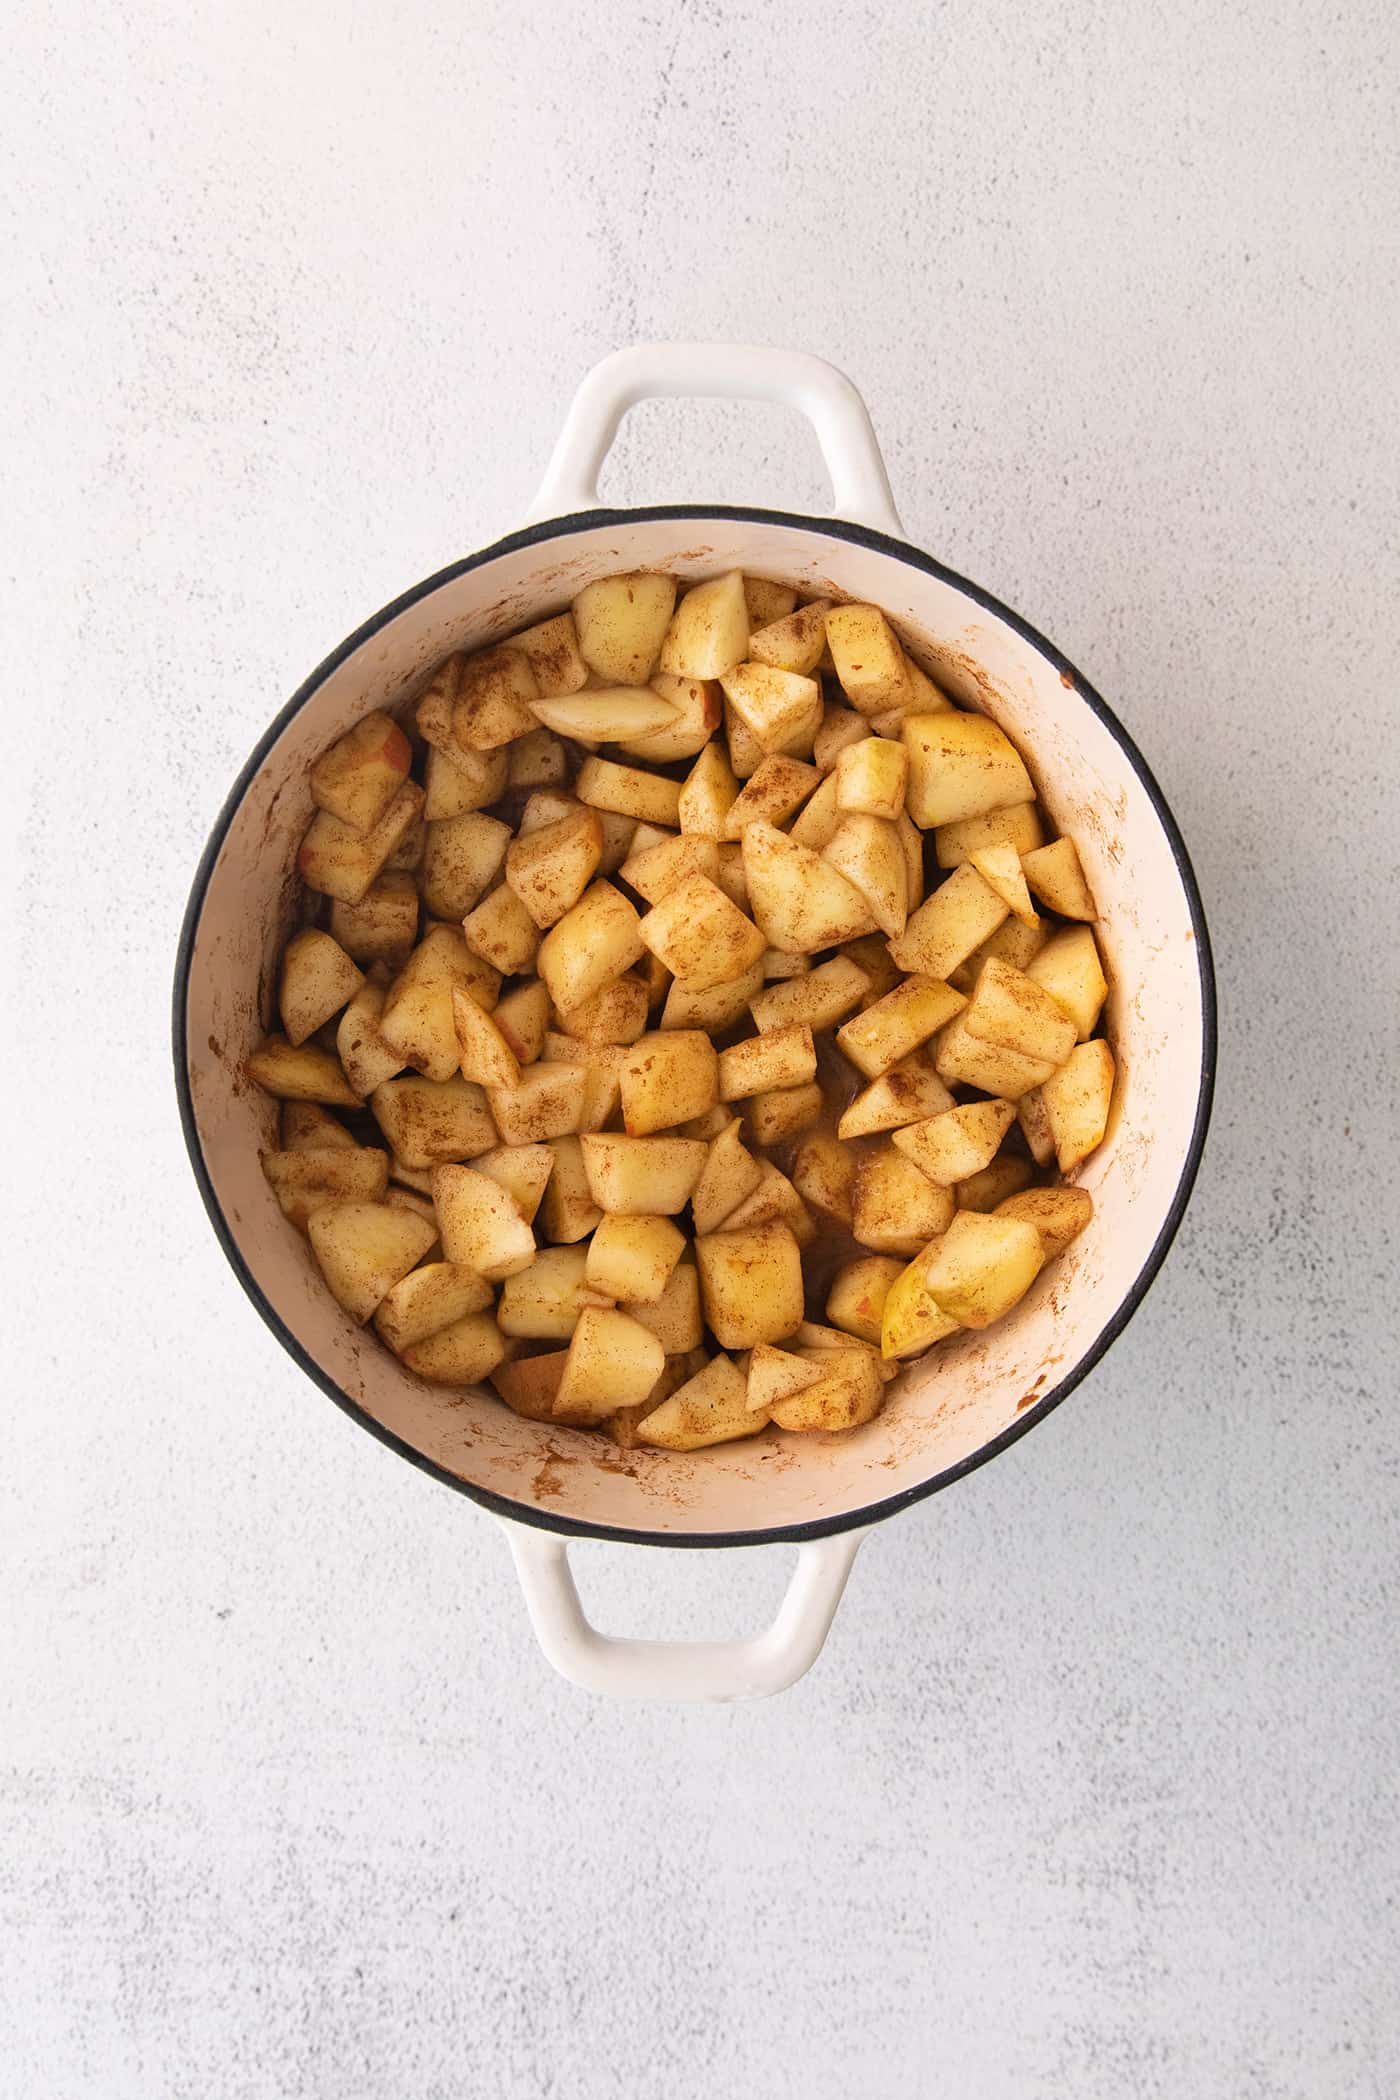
(972, 1396)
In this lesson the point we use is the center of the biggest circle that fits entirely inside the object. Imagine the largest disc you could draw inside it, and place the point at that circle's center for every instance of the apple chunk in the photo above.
(667, 1077)
(709, 632)
(701, 937)
(710, 1408)
(363, 1249)
(480, 1223)
(751, 1283)
(613, 1362)
(359, 776)
(621, 622)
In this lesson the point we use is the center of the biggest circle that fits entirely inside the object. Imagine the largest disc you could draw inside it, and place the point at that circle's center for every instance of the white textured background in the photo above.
(1094, 1791)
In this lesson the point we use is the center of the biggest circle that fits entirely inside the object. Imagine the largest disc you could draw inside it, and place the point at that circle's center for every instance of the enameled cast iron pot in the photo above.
(973, 1395)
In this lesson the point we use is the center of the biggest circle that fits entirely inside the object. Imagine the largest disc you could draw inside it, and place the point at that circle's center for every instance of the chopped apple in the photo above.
(552, 647)
(383, 926)
(746, 754)
(778, 1113)
(718, 1007)
(462, 1354)
(729, 1175)
(307, 1181)
(856, 1301)
(819, 998)
(1034, 1120)
(869, 661)
(709, 632)
(1017, 826)
(776, 707)
(960, 766)
(1077, 1100)
(529, 1384)
(522, 1170)
(767, 601)
(949, 924)
(795, 642)
(613, 1362)
(1003, 1176)
(909, 1092)
(711, 1408)
(658, 869)
(595, 941)
(665, 1078)
(630, 792)
(417, 1017)
(819, 819)
(616, 1015)
(317, 979)
(800, 902)
(1059, 1215)
(1057, 878)
(884, 1034)
(841, 728)
(568, 1212)
(486, 1056)
(776, 1374)
(426, 1121)
(492, 704)
(708, 794)
(913, 1320)
(460, 860)
(501, 931)
(632, 1258)
(1000, 868)
(610, 714)
(702, 938)
(621, 622)
(674, 1318)
(982, 1266)
(547, 1101)
(550, 868)
(781, 1057)
(823, 1174)
(365, 1057)
(538, 760)
(870, 775)
(357, 778)
(649, 1177)
(751, 1284)
(964, 1060)
(896, 1208)
(1069, 969)
(869, 852)
(959, 1142)
(362, 1249)
(523, 1018)
(307, 1127)
(301, 1072)
(777, 788)
(458, 782)
(775, 1200)
(480, 1223)
(696, 712)
(1010, 1010)
(848, 1391)
(342, 863)
(429, 1298)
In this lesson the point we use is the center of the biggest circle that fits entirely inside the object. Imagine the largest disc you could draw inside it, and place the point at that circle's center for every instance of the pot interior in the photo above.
(941, 1414)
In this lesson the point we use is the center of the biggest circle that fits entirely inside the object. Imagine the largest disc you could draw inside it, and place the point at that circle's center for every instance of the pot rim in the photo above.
(780, 1534)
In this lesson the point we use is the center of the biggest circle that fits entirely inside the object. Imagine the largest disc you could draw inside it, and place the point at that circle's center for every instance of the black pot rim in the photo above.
(779, 1534)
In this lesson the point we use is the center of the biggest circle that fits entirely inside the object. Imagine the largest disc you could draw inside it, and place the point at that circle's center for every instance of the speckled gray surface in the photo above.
(1093, 1791)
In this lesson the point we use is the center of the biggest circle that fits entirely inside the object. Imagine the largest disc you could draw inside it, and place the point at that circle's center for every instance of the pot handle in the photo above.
(715, 1670)
(742, 371)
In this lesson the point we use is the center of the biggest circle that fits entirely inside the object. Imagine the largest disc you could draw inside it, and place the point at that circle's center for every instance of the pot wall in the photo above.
(940, 1415)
